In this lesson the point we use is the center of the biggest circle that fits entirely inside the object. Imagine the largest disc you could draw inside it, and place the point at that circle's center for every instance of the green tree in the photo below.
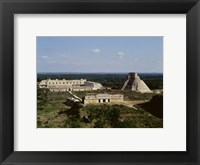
(74, 111)
(113, 117)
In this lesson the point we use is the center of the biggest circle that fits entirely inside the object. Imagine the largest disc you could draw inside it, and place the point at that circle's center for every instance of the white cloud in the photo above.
(120, 54)
(96, 51)
(45, 57)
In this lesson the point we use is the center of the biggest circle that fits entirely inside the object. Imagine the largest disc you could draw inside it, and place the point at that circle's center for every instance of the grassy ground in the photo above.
(52, 112)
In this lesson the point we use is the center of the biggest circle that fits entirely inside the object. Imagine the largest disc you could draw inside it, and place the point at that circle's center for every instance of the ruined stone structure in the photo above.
(134, 83)
(103, 98)
(71, 100)
(69, 85)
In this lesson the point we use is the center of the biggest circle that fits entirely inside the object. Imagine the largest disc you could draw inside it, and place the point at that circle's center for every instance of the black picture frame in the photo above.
(10, 7)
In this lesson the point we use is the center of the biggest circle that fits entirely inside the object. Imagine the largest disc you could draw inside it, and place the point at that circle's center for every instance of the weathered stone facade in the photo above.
(134, 83)
(69, 85)
(103, 98)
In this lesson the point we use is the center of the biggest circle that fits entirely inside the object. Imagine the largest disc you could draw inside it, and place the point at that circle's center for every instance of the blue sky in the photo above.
(100, 54)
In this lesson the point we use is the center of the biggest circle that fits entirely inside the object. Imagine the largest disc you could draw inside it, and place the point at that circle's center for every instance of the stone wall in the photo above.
(69, 85)
(103, 98)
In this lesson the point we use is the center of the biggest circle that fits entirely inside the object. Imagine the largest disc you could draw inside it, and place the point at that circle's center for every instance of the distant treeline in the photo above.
(113, 80)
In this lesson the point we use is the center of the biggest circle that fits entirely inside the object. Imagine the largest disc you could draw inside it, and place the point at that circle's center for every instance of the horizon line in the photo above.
(99, 72)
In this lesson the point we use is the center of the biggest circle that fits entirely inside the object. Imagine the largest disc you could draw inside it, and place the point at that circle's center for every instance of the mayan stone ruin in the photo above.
(134, 83)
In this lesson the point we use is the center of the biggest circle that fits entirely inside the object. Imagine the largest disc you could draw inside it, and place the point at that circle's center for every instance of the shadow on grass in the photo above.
(154, 106)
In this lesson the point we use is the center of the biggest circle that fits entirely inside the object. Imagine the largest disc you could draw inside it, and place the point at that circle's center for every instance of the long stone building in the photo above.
(69, 85)
(103, 98)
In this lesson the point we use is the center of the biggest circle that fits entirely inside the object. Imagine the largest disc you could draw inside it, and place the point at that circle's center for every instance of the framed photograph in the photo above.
(109, 96)
(98, 82)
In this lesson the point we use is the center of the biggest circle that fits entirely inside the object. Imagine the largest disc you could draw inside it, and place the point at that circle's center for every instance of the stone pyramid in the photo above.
(134, 83)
